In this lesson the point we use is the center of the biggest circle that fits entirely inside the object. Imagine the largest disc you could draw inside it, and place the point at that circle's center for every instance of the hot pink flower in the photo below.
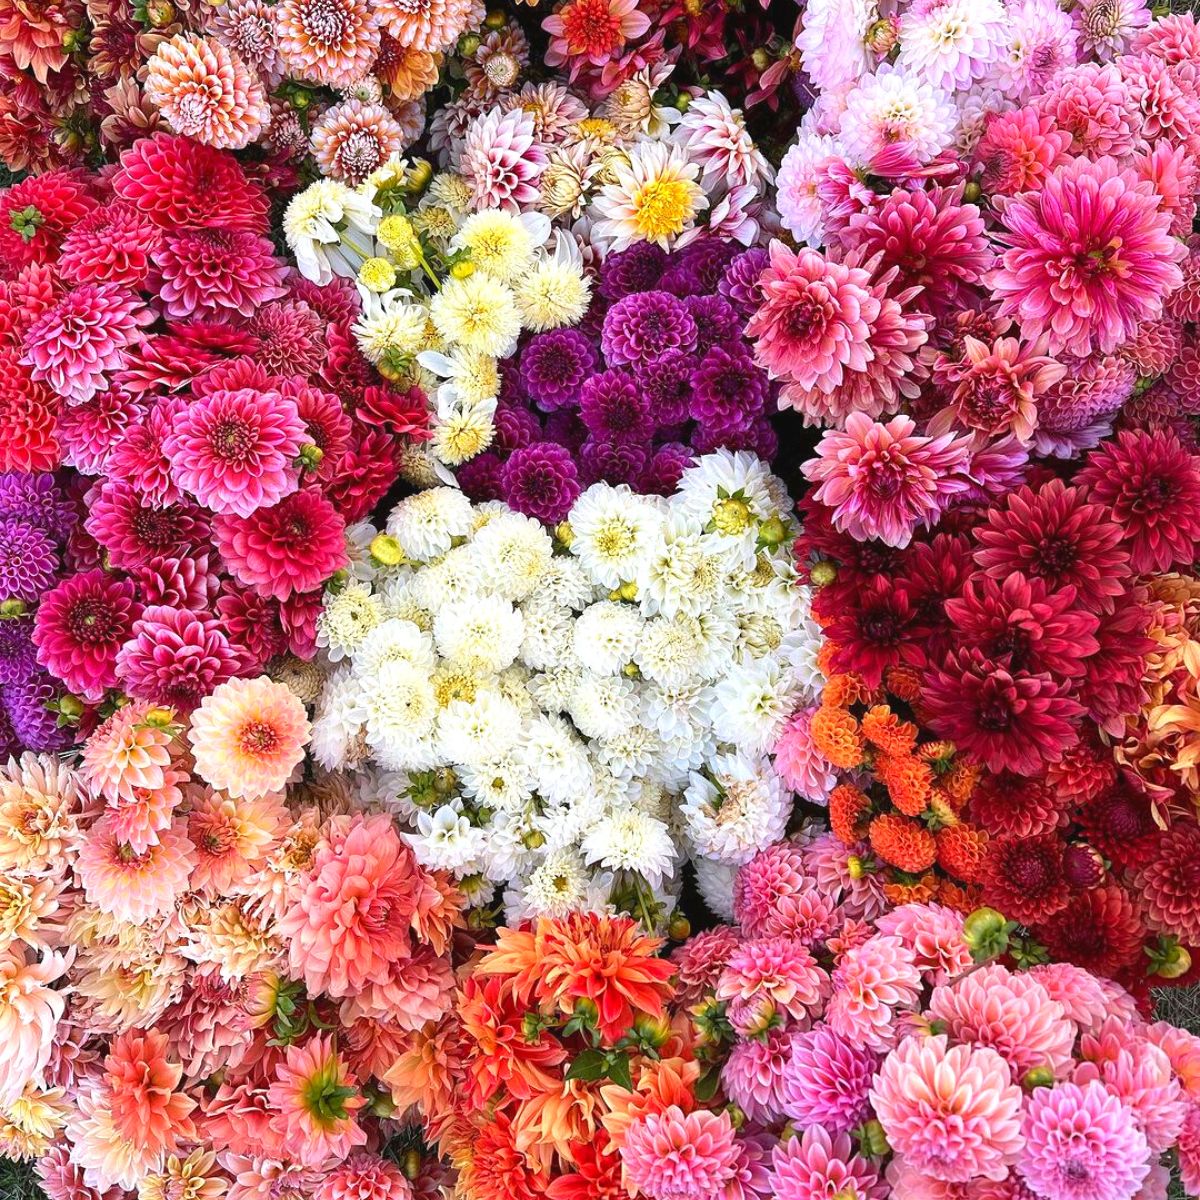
(827, 1080)
(800, 764)
(768, 976)
(1018, 150)
(773, 896)
(816, 1165)
(671, 1155)
(1090, 256)
(134, 531)
(212, 273)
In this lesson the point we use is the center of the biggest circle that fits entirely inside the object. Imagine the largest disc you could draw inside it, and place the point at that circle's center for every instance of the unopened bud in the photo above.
(160, 717)
(986, 933)
(822, 573)
(12, 608)
(564, 534)
(386, 551)
(772, 532)
(71, 707)
(463, 270)
(311, 456)
(1037, 1077)
(680, 928)
(411, 1166)
(496, 19)
(628, 591)
(972, 192)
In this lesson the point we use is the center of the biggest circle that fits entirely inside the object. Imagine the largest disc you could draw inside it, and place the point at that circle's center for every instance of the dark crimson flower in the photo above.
(1112, 680)
(1169, 884)
(614, 462)
(614, 408)
(637, 269)
(1120, 824)
(1008, 805)
(361, 476)
(251, 622)
(874, 628)
(1023, 877)
(1098, 930)
(541, 481)
(645, 326)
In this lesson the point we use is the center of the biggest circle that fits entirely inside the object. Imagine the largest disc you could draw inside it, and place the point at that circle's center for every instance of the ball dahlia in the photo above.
(827, 1080)
(332, 42)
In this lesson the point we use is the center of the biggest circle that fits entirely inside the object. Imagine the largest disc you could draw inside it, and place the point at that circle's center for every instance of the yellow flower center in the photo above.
(663, 208)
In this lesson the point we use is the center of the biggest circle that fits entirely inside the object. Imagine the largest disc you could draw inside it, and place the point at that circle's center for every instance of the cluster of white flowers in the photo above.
(570, 714)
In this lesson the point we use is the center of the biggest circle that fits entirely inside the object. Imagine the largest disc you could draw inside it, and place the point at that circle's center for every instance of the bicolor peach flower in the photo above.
(231, 836)
(39, 814)
(129, 753)
(354, 138)
(248, 736)
(427, 26)
(29, 1014)
(333, 42)
(129, 885)
(142, 1088)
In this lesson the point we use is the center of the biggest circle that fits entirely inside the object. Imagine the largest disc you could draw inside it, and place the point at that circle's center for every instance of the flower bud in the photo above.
(680, 928)
(772, 532)
(311, 456)
(822, 573)
(463, 270)
(159, 717)
(1037, 1077)
(986, 933)
(12, 608)
(71, 707)
(386, 551)
(411, 1166)
(972, 192)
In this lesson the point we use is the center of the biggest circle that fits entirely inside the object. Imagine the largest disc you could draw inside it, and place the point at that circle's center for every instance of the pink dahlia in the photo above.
(112, 244)
(1189, 1150)
(1082, 1143)
(127, 754)
(139, 461)
(214, 273)
(129, 885)
(1093, 106)
(800, 765)
(1018, 149)
(354, 916)
(290, 547)
(135, 531)
(501, 159)
(773, 896)
(753, 1074)
(934, 934)
(85, 335)
(885, 481)
(30, 1012)
(88, 433)
(80, 627)
(872, 983)
(333, 42)
(365, 1176)
(237, 451)
(1090, 256)
(950, 1111)
(769, 976)
(818, 1165)
(837, 335)
(827, 1080)
(671, 1155)
(231, 838)
(354, 138)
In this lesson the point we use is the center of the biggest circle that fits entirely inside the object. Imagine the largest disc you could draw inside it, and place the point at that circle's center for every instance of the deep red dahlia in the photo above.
(363, 473)
(1023, 877)
(1084, 772)
(1112, 681)
(1008, 805)
(251, 622)
(133, 531)
(1120, 824)
(876, 630)
(1099, 930)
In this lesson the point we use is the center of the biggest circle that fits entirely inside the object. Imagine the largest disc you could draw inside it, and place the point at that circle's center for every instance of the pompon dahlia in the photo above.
(871, 984)
(1018, 150)
(1152, 485)
(827, 1080)
(501, 160)
(182, 184)
(128, 885)
(820, 1163)
(672, 1155)
(213, 273)
(554, 365)
(952, 1112)
(290, 336)
(81, 625)
(315, 1101)
(645, 326)
(85, 335)
(354, 138)
(112, 244)
(236, 451)
(541, 481)
(1165, 884)
(1099, 929)
(204, 90)
(1089, 257)
(292, 546)
(1016, 806)
(1082, 1143)
(365, 1176)
(248, 736)
(333, 42)
(28, 560)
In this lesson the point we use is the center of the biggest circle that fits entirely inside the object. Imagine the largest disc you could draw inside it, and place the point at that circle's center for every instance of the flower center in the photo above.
(232, 440)
(663, 207)
(325, 23)
(93, 621)
(258, 738)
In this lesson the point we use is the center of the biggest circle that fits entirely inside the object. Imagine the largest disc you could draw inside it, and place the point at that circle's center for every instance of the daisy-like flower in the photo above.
(205, 91)
(333, 42)
(896, 109)
(354, 138)
(613, 533)
(248, 736)
(134, 886)
(30, 1010)
(654, 197)
(501, 159)
(315, 1101)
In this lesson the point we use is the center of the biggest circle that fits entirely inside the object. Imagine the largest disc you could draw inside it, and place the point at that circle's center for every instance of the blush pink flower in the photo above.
(126, 754)
(753, 1074)
(671, 1155)
(934, 934)
(416, 991)
(365, 1176)
(231, 837)
(773, 896)
(817, 1165)
(248, 736)
(873, 982)
(1089, 257)
(354, 138)
(800, 764)
(129, 885)
(30, 1010)
(501, 160)
(952, 1112)
(885, 481)
(769, 976)
(236, 451)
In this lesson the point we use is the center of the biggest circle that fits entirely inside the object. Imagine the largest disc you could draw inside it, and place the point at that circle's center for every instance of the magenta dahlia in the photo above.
(213, 273)
(827, 1080)
(113, 244)
(134, 531)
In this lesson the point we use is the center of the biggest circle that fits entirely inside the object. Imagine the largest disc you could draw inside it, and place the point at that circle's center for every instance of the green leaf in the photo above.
(589, 1065)
(707, 1084)
(618, 1071)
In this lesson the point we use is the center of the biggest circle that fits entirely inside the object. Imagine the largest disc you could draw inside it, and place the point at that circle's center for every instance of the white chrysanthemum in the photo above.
(445, 840)
(686, 571)
(603, 705)
(501, 243)
(502, 781)
(555, 686)
(613, 532)
(951, 43)
(555, 291)
(399, 709)
(462, 431)
(391, 326)
(472, 733)
(632, 752)
(750, 705)
(473, 376)
(478, 312)
(482, 635)
(566, 583)
(337, 722)
(559, 760)
(714, 881)
(394, 640)
(800, 208)
(400, 602)
(714, 134)
(736, 808)
(314, 224)
(894, 107)
(833, 42)
(426, 524)
(347, 616)
(671, 652)
(548, 633)
(653, 197)
(457, 575)
(631, 841)
(514, 552)
(605, 636)
(559, 885)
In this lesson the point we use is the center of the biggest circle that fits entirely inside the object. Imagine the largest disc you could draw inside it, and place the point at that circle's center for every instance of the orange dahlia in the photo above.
(848, 810)
(961, 851)
(887, 732)
(903, 843)
(908, 780)
(843, 689)
(903, 682)
(914, 891)
(333, 42)
(406, 73)
(204, 90)
(354, 138)
(33, 33)
(836, 734)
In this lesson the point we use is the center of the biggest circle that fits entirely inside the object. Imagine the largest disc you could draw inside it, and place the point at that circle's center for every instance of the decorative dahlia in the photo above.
(81, 625)
(871, 984)
(89, 432)
(332, 42)
(501, 160)
(827, 1080)
(592, 31)
(204, 90)
(671, 1155)
(817, 1164)
(236, 451)
(284, 549)
(1099, 929)
(768, 976)
(134, 886)
(1012, 805)
(1089, 257)
(1165, 884)
(212, 273)
(314, 1102)
(753, 1073)
(654, 197)
(365, 1176)
(248, 736)
(28, 411)
(1082, 1143)
(85, 335)
(896, 111)
(125, 755)
(112, 244)
(134, 532)
(1018, 150)
(354, 138)
(1151, 483)
(951, 1112)
(59, 200)
(700, 961)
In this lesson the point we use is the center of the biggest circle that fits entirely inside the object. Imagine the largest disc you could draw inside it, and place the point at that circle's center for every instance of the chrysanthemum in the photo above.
(1089, 257)
(85, 335)
(1082, 1143)
(871, 984)
(681, 1156)
(820, 1163)
(333, 42)
(315, 1102)
(950, 1111)
(354, 138)
(827, 1080)
(896, 109)
(204, 90)
(654, 197)
(501, 160)
(134, 886)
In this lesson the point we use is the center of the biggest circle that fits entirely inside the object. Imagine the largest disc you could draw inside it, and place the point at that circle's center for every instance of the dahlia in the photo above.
(554, 365)
(819, 1164)
(129, 885)
(352, 139)
(495, 1169)
(654, 197)
(315, 1102)
(1016, 806)
(247, 27)
(80, 626)
(59, 200)
(88, 433)
(1165, 884)
(212, 273)
(236, 451)
(871, 984)
(141, 1089)
(1092, 105)
(1090, 256)
(767, 976)
(18, 655)
(501, 160)
(541, 481)
(645, 326)
(1099, 929)
(898, 111)
(934, 934)
(85, 335)
(1018, 150)
(247, 737)
(592, 31)
(290, 547)
(134, 532)
(1189, 1150)
(290, 336)
(112, 244)
(332, 42)
(952, 1112)
(30, 1011)
(1077, 411)
(28, 560)
(1038, 42)
(365, 1176)
(1151, 484)
(1082, 1143)
(671, 1155)
(204, 90)
(827, 1080)
(799, 763)
(28, 410)
(753, 1074)
(429, 26)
